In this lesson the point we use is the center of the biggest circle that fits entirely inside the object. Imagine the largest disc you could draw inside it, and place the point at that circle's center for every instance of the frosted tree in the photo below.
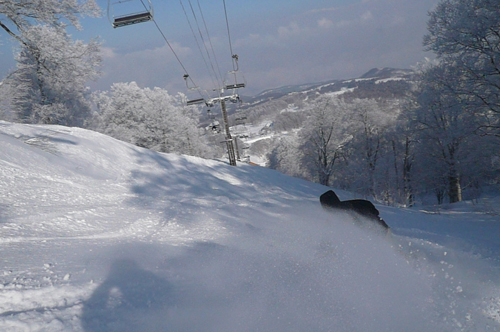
(150, 118)
(286, 157)
(445, 129)
(403, 145)
(465, 35)
(39, 28)
(324, 137)
(51, 74)
(288, 121)
(369, 123)
(6, 92)
(17, 15)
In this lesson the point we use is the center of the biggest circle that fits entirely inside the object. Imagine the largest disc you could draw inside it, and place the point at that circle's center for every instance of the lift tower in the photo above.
(229, 139)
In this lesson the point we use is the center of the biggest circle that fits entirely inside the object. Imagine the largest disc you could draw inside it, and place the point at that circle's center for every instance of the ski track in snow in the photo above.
(99, 235)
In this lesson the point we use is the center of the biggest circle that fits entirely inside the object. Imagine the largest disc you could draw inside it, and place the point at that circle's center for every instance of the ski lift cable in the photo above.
(196, 39)
(210, 41)
(204, 43)
(172, 49)
(229, 35)
(234, 57)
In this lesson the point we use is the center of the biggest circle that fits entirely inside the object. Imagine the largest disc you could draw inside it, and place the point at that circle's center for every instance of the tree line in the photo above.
(442, 139)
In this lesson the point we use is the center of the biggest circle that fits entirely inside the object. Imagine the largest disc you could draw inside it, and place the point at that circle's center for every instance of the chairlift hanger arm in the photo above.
(237, 77)
(236, 58)
(194, 87)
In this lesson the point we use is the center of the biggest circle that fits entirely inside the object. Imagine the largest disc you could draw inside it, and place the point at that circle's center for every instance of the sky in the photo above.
(278, 42)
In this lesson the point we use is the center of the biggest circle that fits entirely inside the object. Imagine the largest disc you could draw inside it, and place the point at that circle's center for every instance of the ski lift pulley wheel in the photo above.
(137, 11)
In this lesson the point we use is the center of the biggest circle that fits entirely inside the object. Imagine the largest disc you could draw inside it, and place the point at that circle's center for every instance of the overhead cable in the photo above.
(172, 49)
(204, 43)
(196, 39)
(210, 41)
(229, 35)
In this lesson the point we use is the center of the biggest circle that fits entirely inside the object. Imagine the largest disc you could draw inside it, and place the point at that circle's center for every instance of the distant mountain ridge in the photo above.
(386, 72)
(375, 75)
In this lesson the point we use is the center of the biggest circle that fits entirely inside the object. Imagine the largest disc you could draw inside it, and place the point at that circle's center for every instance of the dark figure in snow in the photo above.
(330, 200)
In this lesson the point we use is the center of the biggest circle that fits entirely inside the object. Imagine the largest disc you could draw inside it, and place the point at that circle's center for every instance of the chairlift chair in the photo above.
(216, 128)
(239, 79)
(195, 101)
(241, 120)
(129, 12)
(210, 115)
(235, 86)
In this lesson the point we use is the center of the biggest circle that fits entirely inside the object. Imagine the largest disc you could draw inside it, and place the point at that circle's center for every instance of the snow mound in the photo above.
(100, 235)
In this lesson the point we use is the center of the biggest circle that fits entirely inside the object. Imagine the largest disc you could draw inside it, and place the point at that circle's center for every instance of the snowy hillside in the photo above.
(100, 235)
(263, 125)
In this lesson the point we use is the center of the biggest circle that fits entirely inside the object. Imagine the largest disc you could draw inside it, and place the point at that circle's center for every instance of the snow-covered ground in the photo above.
(100, 235)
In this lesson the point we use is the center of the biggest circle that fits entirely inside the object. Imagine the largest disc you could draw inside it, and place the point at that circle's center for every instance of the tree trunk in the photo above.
(407, 183)
(324, 171)
(439, 196)
(396, 171)
(455, 190)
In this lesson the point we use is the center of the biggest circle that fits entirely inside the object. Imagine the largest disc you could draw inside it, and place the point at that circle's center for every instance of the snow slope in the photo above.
(100, 235)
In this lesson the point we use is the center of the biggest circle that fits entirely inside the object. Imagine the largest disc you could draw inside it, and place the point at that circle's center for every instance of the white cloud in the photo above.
(398, 20)
(290, 30)
(366, 16)
(321, 10)
(325, 23)
(107, 52)
(149, 67)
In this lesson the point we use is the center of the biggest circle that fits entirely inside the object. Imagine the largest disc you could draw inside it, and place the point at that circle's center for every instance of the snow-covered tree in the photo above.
(150, 118)
(50, 67)
(369, 123)
(324, 137)
(287, 157)
(445, 129)
(51, 74)
(6, 92)
(288, 121)
(465, 35)
(17, 15)
(402, 143)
